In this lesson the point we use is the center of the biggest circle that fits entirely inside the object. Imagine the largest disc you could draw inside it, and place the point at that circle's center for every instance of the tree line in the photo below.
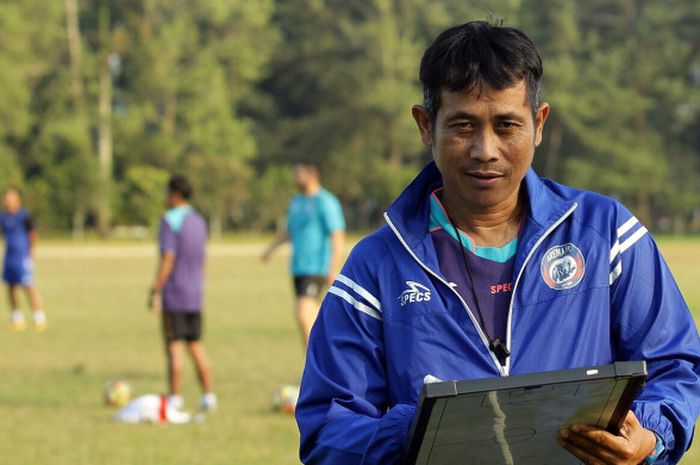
(101, 100)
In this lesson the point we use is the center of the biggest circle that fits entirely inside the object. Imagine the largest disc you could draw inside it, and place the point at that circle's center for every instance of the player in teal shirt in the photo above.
(316, 230)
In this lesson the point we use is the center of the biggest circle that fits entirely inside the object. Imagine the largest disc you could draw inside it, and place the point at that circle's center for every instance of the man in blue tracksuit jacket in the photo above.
(484, 269)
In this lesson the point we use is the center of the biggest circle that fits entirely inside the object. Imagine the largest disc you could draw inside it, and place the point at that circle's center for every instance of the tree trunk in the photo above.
(78, 223)
(104, 138)
(551, 167)
(78, 90)
(394, 151)
(104, 150)
(74, 52)
(643, 210)
(169, 114)
(215, 225)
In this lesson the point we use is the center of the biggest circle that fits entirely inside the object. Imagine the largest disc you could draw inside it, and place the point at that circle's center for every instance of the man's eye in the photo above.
(463, 125)
(507, 125)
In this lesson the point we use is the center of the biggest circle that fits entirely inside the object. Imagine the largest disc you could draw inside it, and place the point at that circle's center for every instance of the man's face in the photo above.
(302, 176)
(483, 143)
(11, 201)
(171, 199)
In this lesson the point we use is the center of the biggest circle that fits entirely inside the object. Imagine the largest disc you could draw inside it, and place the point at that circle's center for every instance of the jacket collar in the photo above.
(409, 214)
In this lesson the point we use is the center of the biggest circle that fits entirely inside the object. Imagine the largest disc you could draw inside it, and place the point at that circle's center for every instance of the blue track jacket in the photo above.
(590, 288)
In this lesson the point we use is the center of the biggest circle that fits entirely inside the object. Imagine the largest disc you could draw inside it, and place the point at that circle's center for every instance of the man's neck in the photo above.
(311, 189)
(492, 226)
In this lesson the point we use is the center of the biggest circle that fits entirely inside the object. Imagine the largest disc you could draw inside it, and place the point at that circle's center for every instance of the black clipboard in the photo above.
(515, 420)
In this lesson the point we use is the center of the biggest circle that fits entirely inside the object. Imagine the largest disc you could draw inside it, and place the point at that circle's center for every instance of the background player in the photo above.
(316, 229)
(18, 270)
(179, 288)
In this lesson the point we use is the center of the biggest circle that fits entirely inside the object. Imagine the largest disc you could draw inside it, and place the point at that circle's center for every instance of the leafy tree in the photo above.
(101, 101)
(617, 85)
(189, 69)
(143, 196)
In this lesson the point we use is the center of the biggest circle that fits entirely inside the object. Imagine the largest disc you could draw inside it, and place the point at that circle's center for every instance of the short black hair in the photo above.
(12, 188)
(181, 185)
(478, 54)
(309, 165)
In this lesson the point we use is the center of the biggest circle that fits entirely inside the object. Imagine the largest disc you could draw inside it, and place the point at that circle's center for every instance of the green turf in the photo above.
(50, 405)
(50, 385)
(683, 257)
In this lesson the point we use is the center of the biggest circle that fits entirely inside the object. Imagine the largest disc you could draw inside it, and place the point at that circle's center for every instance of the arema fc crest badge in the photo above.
(563, 267)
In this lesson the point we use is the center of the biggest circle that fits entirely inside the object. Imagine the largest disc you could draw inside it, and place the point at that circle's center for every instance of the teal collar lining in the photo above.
(439, 220)
(176, 217)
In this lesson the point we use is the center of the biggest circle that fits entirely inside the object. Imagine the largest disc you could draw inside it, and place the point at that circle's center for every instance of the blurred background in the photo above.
(100, 100)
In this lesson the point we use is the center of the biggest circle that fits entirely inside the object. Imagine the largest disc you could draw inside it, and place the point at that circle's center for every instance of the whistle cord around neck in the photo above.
(469, 275)
(495, 344)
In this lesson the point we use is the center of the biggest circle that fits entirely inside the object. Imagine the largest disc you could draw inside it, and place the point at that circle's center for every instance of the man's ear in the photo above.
(420, 115)
(540, 118)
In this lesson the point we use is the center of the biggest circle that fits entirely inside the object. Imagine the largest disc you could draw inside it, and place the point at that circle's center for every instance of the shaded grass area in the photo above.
(50, 394)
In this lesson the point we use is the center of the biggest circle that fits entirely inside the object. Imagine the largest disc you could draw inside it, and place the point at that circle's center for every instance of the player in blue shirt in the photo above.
(316, 230)
(18, 270)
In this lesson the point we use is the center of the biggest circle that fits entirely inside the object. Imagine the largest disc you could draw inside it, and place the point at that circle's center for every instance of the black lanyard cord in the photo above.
(497, 346)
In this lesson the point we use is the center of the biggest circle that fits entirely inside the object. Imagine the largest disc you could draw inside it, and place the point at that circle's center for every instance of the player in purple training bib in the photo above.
(179, 289)
(18, 268)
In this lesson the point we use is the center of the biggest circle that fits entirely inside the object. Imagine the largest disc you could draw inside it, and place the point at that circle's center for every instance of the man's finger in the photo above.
(593, 449)
(581, 454)
(601, 438)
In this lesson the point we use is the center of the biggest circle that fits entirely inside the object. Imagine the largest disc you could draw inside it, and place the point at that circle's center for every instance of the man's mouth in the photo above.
(484, 175)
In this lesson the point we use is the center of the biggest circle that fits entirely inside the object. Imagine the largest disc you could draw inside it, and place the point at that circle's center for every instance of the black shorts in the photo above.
(178, 326)
(309, 286)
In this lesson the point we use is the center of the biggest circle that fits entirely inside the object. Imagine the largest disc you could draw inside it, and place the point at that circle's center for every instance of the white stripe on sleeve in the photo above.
(616, 272)
(618, 248)
(627, 226)
(361, 291)
(629, 242)
(614, 251)
(367, 310)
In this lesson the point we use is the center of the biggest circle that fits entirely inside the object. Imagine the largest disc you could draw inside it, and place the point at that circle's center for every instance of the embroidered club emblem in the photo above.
(563, 267)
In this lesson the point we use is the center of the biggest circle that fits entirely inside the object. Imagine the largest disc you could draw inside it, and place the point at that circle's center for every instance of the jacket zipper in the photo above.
(520, 273)
(503, 370)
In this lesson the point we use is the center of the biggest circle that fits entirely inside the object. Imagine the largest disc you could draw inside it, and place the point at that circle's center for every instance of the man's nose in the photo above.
(485, 146)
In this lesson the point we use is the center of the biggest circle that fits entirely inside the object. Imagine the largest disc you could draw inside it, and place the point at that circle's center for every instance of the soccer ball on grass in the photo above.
(284, 398)
(116, 393)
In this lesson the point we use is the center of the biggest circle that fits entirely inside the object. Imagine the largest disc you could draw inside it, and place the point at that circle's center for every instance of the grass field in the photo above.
(50, 386)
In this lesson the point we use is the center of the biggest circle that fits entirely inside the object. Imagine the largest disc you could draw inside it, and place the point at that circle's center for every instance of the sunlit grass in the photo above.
(50, 391)
(50, 404)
